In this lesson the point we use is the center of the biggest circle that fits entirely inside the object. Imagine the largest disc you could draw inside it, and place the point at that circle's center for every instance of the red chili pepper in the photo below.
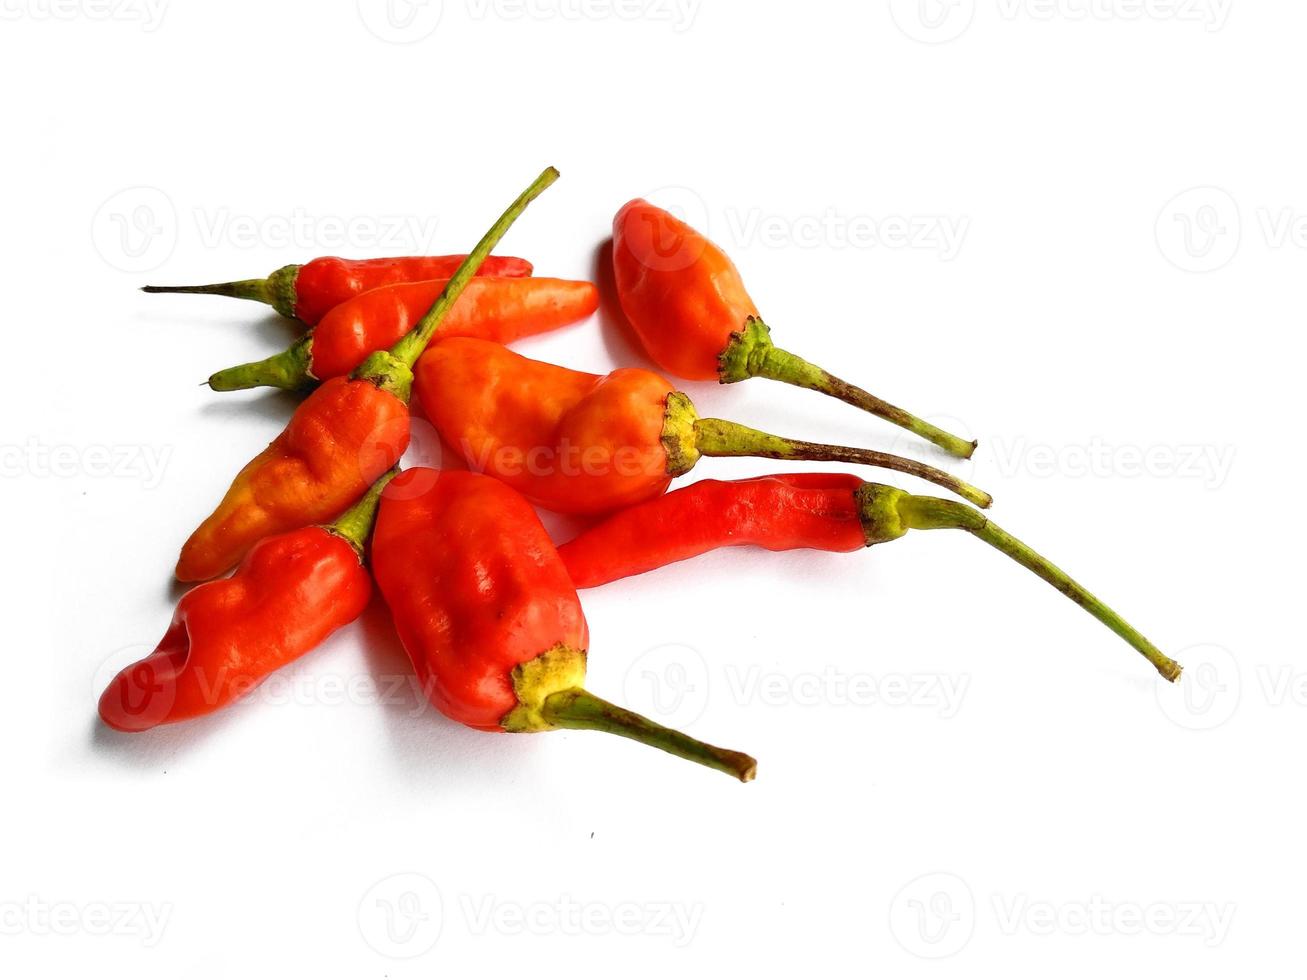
(829, 512)
(489, 618)
(308, 292)
(341, 438)
(687, 303)
(584, 444)
(290, 593)
(493, 308)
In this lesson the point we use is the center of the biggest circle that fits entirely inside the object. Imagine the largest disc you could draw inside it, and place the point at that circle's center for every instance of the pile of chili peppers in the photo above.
(485, 604)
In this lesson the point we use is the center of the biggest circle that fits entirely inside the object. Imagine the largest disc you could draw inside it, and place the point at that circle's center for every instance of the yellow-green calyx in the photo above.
(387, 372)
(878, 510)
(748, 353)
(291, 370)
(678, 438)
(281, 290)
(558, 669)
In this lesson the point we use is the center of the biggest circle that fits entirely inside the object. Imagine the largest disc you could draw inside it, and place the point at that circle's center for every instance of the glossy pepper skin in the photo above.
(291, 592)
(340, 439)
(828, 512)
(779, 513)
(581, 443)
(492, 307)
(570, 441)
(490, 619)
(475, 588)
(687, 303)
(681, 293)
(308, 292)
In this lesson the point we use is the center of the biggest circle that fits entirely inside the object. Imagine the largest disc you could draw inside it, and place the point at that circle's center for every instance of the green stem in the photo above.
(717, 437)
(278, 290)
(932, 512)
(410, 347)
(751, 354)
(290, 370)
(356, 523)
(579, 709)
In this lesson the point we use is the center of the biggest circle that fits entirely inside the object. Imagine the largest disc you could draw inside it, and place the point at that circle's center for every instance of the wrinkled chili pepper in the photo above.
(828, 512)
(487, 614)
(493, 308)
(688, 305)
(583, 443)
(340, 439)
(308, 292)
(290, 593)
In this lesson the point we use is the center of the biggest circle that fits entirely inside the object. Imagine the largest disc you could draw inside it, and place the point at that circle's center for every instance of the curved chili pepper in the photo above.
(290, 593)
(687, 303)
(308, 292)
(340, 439)
(485, 609)
(583, 443)
(492, 307)
(828, 512)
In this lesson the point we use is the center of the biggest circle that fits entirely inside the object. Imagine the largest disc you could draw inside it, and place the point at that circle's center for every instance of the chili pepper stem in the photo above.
(751, 354)
(392, 370)
(356, 523)
(289, 370)
(926, 513)
(278, 290)
(686, 437)
(579, 709)
(410, 347)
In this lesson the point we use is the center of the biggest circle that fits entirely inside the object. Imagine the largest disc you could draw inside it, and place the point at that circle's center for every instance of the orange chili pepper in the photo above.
(485, 609)
(827, 511)
(583, 443)
(688, 305)
(492, 307)
(308, 292)
(341, 438)
(291, 592)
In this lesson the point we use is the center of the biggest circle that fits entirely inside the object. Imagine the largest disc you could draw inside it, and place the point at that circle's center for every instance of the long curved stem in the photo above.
(717, 437)
(410, 347)
(579, 709)
(932, 512)
(751, 354)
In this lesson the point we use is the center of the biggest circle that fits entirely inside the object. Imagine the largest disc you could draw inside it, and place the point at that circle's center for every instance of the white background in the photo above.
(1127, 181)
